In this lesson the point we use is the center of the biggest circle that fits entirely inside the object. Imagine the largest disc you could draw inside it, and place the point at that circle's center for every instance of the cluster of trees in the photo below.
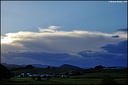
(4, 72)
(29, 67)
(108, 80)
(99, 67)
(7, 74)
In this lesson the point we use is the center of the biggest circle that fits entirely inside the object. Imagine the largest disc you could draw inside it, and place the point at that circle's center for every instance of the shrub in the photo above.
(108, 80)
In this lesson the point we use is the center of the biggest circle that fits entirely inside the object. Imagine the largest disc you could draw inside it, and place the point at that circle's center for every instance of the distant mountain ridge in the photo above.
(12, 65)
(19, 66)
(41, 66)
(64, 66)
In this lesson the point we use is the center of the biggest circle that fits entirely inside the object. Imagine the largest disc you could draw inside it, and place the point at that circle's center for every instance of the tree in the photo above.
(48, 67)
(99, 67)
(29, 67)
(108, 80)
(38, 77)
(53, 68)
(4, 72)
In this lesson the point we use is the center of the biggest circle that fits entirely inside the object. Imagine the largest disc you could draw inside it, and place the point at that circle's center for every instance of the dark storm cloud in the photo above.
(120, 47)
(40, 57)
(89, 58)
(125, 30)
(104, 58)
(116, 36)
(113, 54)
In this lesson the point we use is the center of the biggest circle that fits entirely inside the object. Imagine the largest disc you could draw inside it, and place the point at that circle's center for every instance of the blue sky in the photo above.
(81, 15)
(80, 33)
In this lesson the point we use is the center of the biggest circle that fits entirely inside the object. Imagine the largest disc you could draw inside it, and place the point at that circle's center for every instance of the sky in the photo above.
(81, 33)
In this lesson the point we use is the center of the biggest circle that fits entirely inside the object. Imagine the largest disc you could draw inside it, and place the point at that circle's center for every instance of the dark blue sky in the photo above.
(101, 16)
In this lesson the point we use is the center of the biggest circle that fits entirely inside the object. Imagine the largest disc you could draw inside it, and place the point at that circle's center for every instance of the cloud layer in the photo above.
(69, 45)
(59, 41)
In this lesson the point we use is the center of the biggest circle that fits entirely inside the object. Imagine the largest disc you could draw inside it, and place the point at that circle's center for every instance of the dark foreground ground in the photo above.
(104, 77)
(60, 81)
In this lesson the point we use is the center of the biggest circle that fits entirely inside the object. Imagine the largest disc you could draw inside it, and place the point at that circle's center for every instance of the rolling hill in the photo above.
(69, 67)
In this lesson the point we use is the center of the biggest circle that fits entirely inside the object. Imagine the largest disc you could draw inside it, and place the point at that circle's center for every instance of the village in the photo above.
(39, 76)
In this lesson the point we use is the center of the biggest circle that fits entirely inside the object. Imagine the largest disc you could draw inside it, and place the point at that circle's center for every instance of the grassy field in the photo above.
(59, 81)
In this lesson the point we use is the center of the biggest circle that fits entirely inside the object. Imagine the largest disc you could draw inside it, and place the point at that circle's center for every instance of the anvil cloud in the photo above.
(50, 40)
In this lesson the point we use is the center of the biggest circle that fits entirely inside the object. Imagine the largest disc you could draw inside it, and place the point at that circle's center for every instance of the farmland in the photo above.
(87, 77)
(59, 81)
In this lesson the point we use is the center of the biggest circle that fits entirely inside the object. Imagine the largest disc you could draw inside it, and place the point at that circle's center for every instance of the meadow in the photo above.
(60, 81)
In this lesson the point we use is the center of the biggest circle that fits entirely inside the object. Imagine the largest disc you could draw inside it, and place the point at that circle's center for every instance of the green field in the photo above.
(59, 81)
